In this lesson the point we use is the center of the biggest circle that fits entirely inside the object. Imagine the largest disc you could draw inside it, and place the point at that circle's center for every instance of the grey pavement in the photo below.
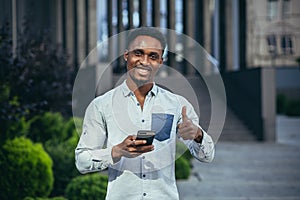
(250, 170)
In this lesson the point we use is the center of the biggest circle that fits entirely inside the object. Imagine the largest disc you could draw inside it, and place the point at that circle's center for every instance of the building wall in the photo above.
(261, 24)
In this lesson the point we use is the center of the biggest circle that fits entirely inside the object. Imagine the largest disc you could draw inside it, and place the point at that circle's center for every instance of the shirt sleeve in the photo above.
(90, 155)
(204, 151)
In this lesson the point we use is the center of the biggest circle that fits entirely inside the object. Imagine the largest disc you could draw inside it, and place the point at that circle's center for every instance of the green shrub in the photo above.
(41, 198)
(293, 108)
(281, 103)
(62, 153)
(26, 170)
(87, 187)
(182, 168)
(182, 150)
(47, 126)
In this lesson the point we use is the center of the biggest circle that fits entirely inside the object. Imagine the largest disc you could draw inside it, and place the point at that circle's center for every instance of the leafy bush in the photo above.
(183, 163)
(182, 150)
(293, 108)
(182, 168)
(34, 79)
(281, 103)
(87, 187)
(26, 170)
(41, 198)
(63, 157)
(47, 126)
(290, 107)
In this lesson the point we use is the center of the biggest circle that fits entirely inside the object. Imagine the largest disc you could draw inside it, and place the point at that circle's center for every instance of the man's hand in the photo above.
(130, 148)
(187, 130)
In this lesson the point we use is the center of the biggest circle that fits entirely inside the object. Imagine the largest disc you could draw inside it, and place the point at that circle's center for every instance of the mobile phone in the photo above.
(146, 135)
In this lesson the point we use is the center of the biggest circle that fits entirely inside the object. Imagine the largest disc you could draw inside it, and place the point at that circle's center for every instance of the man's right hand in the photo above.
(130, 148)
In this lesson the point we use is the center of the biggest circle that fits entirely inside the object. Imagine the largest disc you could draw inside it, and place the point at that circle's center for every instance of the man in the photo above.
(108, 140)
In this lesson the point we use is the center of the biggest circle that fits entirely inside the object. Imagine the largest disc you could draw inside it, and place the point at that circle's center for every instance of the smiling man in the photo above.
(138, 170)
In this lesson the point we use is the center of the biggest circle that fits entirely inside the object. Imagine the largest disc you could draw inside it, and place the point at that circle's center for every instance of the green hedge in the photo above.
(87, 187)
(41, 198)
(183, 161)
(26, 170)
(290, 107)
(182, 168)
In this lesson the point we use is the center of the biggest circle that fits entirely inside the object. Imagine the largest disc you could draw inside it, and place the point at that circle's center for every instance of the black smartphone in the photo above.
(146, 135)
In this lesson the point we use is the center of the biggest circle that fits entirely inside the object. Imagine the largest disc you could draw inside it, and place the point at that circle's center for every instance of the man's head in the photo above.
(144, 53)
(147, 31)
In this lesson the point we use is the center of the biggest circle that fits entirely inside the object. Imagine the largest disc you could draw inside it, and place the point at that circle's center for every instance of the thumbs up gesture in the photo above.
(187, 129)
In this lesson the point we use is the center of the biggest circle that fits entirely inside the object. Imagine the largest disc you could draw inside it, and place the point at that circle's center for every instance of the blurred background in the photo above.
(253, 43)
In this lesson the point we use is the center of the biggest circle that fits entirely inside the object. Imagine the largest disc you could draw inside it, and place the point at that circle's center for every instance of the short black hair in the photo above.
(147, 31)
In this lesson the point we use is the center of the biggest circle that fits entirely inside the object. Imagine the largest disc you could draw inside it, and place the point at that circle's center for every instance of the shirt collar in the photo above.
(128, 92)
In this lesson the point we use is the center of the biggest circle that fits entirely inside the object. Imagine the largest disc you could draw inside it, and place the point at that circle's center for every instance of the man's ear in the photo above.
(125, 55)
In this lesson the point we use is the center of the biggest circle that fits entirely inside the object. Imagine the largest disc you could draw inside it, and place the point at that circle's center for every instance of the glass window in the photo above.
(286, 9)
(271, 39)
(272, 9)
(286, 44)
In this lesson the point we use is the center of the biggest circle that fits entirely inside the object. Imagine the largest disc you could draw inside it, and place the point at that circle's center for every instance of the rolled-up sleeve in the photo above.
(204, 151)
(90, 155)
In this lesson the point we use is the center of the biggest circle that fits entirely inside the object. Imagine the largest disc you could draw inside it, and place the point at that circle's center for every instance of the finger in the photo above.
(144, 149)
(183, 112)
(140, 142)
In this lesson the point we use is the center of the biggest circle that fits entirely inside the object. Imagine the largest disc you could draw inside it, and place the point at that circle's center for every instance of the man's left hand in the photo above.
(187, 129)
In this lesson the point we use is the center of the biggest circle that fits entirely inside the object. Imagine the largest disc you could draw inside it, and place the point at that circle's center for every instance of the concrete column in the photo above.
(268, 102)
(143, 12)
(171, 38)
(235, 35)
(130, 13)
(189, 29)
(156, 13)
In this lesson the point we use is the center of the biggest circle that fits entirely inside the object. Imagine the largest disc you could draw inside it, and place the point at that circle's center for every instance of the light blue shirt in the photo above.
(110, 118)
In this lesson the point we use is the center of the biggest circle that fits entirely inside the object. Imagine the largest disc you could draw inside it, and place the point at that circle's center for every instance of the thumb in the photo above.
(183, 112)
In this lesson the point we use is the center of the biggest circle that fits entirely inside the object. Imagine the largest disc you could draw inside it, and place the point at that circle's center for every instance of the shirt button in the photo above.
(144, 175)
(143, 120)
(138, 104)
(143, 157)
(144, 194)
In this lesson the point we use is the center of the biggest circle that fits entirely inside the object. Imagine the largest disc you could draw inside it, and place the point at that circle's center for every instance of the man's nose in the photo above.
(145, 60)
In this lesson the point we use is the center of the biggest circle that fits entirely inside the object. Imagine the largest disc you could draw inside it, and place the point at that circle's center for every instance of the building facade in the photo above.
(273, 35)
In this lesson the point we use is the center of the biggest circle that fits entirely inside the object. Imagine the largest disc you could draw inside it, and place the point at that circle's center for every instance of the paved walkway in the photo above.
(250, 170)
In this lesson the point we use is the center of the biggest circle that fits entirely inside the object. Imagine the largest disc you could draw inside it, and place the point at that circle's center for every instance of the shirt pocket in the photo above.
(162, 125)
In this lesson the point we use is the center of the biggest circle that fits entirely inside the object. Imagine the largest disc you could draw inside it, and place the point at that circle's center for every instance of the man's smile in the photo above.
(143, 70)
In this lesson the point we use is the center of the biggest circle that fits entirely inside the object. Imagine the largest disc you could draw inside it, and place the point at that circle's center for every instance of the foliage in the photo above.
(182, 150)
(298, 60)
(34, 78)
(87, 187)
(63, 157)
(281, 103)
(41, 198)
(182, 168)
(183, 161)
(293, 108)
(60, 139)
(26, 170)
(47, 126)
(290, 107)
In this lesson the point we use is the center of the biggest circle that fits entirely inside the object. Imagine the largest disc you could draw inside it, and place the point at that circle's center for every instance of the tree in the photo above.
(26, 170)
(34, 79)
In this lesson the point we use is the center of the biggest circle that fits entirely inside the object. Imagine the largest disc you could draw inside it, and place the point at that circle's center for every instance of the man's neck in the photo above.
(140, 91)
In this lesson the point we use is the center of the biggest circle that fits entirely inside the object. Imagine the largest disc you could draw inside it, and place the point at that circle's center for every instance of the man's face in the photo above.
(144, 58)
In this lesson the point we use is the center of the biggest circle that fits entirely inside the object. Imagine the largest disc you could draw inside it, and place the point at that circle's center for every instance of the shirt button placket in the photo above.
(143, 174)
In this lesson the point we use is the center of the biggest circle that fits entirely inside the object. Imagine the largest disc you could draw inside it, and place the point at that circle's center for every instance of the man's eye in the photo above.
(154, 57)
(137, 53)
